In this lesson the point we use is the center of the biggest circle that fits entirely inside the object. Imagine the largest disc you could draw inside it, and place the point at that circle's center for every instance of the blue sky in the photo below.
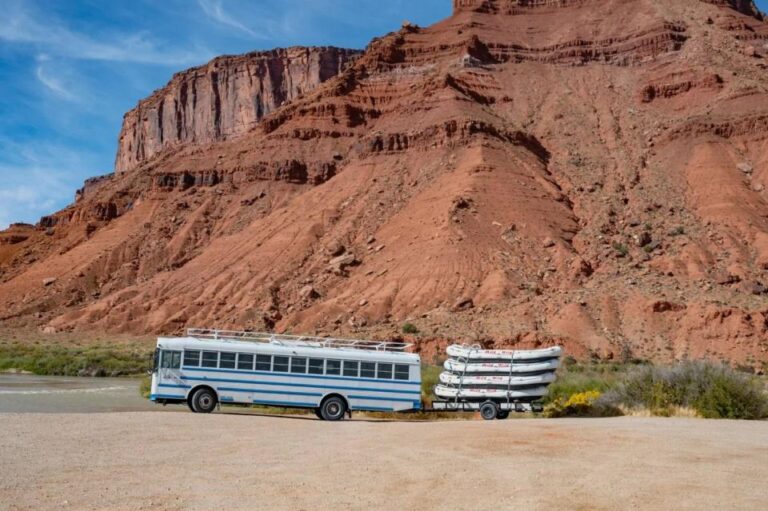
(70, 69)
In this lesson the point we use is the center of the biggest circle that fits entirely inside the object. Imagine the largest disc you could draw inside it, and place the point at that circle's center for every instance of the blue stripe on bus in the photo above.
(283, 403)
(257, 391)
(376, 409)
(375, 398)
(164, 396)
(299, 375)
(171, 386)
(313, 394)
(306, 385)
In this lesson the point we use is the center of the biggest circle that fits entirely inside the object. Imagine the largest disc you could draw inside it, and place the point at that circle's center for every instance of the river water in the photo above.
(22, 393)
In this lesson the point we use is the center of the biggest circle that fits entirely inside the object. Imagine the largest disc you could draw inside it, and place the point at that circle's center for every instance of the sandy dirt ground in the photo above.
(147, 460)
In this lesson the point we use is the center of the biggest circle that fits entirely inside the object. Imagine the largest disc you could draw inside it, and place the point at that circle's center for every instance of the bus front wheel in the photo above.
(204, 401)
(333, 409)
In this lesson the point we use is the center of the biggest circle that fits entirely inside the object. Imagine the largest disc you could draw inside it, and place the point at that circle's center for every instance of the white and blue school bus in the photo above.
(330, 376)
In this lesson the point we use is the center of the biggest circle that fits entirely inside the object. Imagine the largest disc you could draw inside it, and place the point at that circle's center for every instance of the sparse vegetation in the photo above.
(620, 248)
(678, 231)
(145, 387)
(714, 391)
(704, 389)
(410, 328)
(581, 404)
(61, 360)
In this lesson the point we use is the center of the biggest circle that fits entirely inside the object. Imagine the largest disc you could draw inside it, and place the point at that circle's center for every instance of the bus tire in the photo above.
(191, 404)
(204, 400)
(318, 414)
(333, 408)
(502, 414)
(489, 410)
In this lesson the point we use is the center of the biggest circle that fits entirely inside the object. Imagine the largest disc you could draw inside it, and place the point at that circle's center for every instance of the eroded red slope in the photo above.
(584, 172)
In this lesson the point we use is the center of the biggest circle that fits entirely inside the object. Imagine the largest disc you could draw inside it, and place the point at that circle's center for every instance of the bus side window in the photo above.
(263, 362)
(368, 369)
(210, 359)
(332, 367)
(316, 365)
(350, 368)
(384, 371)
(298, 365)
(245, 361)
(170, 359)
(227, 360)
(401, 372)
(280, 365)
(191, 358)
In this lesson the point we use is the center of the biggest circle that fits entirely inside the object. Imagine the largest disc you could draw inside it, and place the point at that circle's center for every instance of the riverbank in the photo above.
(70, 354)
(233, 461)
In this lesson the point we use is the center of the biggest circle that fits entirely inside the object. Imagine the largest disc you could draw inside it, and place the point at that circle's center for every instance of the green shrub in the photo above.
(75, 360)
(570, 383)
(410, 328)
(678, 231)
(712, 390)
(620, 248)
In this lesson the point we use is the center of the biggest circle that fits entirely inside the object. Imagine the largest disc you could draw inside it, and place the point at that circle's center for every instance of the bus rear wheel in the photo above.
(204, 401)
(333, 409)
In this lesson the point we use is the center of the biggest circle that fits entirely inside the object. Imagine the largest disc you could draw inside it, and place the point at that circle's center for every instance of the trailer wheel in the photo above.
(489, 410)
(204, 400)
(333, 408)
(503, 414)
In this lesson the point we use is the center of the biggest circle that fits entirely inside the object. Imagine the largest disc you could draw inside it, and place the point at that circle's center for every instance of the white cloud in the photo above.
(22, 27)
(54, 84)
(214, 9)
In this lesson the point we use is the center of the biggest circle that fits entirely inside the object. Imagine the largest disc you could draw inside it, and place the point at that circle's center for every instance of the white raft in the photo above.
(454, 366)
(480, 393)
(449, 378)
(468, 352)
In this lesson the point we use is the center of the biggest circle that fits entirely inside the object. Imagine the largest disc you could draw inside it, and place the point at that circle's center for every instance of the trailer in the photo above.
(489, 410)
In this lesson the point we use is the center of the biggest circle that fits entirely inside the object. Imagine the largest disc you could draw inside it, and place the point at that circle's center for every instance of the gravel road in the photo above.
(230, 461)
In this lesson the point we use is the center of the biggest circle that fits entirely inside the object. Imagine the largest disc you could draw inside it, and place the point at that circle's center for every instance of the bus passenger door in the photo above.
(170, 367)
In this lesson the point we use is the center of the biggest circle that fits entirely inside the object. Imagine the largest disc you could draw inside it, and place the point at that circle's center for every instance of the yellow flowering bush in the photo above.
(580, 404)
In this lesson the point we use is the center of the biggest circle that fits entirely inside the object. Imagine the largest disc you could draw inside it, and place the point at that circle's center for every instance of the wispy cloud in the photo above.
(49, 34)
(54, 84)
(214, 9)
(38, 179)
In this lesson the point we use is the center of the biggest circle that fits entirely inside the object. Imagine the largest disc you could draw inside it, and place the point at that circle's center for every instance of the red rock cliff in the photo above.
(225, 97)
(516, 6)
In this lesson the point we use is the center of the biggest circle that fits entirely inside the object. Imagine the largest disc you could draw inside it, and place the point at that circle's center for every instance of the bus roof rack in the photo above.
(305, 341)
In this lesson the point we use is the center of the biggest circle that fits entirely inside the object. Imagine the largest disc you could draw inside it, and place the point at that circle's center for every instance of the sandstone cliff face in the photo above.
(225, 97)
(591, 173)
(520, 6)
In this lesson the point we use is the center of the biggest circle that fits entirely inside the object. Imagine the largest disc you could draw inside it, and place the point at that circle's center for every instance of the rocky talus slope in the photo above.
(587, 172)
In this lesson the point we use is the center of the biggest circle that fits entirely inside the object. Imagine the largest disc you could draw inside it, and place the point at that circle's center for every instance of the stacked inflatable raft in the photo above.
(473, 374)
